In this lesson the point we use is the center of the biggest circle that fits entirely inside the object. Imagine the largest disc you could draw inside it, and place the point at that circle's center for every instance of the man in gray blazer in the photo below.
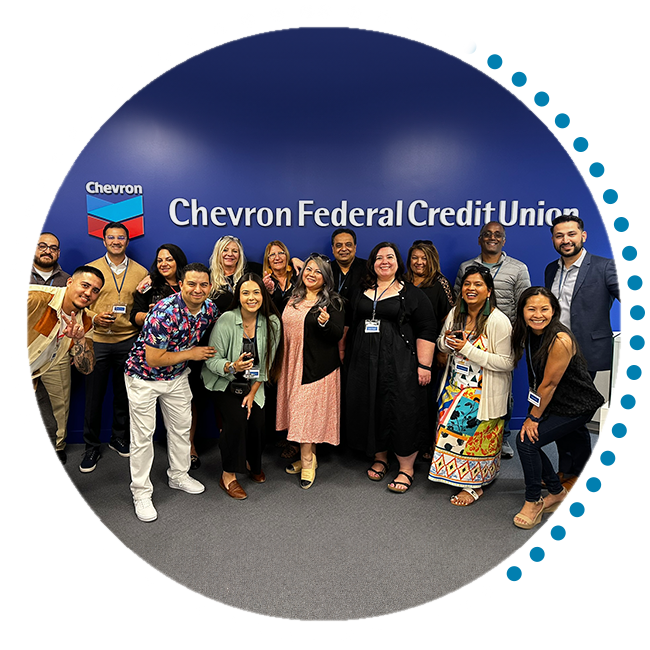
(585, 286)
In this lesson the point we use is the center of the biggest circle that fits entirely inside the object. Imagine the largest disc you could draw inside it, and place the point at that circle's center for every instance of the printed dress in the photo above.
(310, 412)
(468, 450)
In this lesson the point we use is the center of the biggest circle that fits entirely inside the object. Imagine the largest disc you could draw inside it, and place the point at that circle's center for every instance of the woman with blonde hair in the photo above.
(278, 273)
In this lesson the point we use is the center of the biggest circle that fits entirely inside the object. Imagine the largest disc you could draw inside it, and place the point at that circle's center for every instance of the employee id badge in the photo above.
(252, 373)
(462, 366)
(119, 308)
(534, 398)
(372, 326)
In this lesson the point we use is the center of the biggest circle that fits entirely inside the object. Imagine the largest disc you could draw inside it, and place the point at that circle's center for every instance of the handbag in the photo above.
(240, 388)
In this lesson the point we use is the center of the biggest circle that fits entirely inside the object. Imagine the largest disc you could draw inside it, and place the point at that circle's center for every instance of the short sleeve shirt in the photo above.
(169, 326)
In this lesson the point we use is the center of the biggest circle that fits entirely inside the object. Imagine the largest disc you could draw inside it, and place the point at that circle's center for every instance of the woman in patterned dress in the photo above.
(473, 399)
(309, 395)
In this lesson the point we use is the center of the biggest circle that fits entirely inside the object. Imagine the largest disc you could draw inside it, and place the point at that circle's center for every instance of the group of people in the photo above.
(385, 357)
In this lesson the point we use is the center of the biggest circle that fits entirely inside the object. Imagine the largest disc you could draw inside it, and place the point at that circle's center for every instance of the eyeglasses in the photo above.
(320, 256)
(42, 246)
(491, 234)
(278, 254)
(114, 237)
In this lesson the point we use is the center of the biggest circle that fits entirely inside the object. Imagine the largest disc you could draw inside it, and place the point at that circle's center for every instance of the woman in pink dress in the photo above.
(309, 395)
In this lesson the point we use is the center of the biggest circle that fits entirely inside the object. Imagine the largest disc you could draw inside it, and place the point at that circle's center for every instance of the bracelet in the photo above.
(533, 418)
(421, 365)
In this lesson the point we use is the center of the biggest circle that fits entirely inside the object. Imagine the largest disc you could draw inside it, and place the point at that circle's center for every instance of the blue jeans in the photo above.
(536, 464)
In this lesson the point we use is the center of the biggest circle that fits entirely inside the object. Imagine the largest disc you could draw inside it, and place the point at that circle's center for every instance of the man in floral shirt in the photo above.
(156, 371)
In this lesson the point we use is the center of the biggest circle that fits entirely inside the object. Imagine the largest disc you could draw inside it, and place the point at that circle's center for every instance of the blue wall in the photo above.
(329, 116)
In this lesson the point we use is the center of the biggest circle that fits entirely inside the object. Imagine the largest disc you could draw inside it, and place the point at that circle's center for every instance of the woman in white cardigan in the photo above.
(473, 397)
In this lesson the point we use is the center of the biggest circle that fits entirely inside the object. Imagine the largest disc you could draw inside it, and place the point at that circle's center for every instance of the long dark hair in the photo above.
(157, 280)
(327, 295)
(267, 309)
(461, 306)
(433, 263)
(370, 279)
(521, 331)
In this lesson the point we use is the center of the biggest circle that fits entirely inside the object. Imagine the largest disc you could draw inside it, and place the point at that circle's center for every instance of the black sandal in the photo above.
(380, 473)
(395, 482)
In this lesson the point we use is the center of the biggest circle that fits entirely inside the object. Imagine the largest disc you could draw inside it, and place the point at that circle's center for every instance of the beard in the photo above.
(44, 264)
(577, 248)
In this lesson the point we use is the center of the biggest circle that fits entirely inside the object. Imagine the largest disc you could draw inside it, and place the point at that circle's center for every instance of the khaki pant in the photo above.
(57, 383)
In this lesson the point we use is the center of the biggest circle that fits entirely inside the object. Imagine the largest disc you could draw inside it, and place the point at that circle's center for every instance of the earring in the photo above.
(487, 309)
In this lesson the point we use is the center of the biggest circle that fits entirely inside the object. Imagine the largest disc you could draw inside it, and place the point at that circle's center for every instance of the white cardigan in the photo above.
(497, 363)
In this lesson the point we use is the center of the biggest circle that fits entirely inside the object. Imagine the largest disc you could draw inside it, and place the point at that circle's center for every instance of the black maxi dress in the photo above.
(386, 408)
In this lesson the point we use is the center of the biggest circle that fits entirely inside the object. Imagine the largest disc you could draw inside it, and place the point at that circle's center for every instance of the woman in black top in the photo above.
(162, 281)
(388, 354)
(278, 273)
(562, 395)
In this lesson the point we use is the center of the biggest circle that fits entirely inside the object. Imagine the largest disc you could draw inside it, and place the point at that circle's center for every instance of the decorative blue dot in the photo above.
(621, 224)
(628, 402)
(637, 342)
(593, 484)
(541, 99)
(495, 61)
(513, 573)
(580, 144)
(637, 312)
(619, 430)
(607, 458)
(562, 121)
(634, 282)
(629, 253)
(537, 554)
(634, 372)
(519, 79)
(470, 48)
(596, 170)
(577, 509)
(610, 196)
(558, 532)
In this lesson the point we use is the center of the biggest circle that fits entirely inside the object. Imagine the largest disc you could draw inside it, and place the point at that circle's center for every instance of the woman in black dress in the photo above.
(389, 351)
(424, 272)
(562, 397)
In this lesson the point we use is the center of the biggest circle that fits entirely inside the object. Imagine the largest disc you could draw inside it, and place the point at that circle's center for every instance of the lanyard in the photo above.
(498, 268)
(342, 280)
(119, 289)
(376, 300)
(563, 277)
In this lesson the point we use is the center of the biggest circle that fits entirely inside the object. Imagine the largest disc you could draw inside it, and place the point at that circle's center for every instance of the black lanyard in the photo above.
(376, 300)
(119, 289)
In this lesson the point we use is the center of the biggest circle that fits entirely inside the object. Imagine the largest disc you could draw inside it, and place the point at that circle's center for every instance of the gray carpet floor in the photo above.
(347, 548)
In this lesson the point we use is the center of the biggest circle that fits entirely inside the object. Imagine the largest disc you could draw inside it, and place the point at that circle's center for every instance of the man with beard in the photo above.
(57, 333)
(585, 286)
(43, 269)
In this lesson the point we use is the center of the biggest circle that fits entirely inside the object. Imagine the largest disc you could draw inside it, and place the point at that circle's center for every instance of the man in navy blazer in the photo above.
(585, 286)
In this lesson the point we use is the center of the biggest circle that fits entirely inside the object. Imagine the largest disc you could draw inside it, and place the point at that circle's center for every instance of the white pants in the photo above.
(175, 399)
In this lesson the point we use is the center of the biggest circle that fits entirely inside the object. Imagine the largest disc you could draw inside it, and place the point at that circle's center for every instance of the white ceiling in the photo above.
(578, 75)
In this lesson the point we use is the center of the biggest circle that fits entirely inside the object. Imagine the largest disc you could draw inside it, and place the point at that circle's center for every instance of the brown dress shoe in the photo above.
(575, 487)
(258, 478)
(233, 490)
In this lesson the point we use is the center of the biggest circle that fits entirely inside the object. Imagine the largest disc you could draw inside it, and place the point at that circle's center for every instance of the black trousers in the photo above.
(109, 357)
(240, 439)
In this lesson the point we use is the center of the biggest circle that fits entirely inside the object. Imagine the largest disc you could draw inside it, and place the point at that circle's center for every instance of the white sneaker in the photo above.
(506, 450)
(187, 484)
(144, 510)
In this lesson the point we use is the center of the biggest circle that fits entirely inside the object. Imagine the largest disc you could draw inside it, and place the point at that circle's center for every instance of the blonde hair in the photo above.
(266, 268)
(219, 281)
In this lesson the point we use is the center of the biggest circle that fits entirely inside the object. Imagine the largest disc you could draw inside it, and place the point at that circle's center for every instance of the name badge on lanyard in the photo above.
(372, 326)
(462, 366)
(534, 398)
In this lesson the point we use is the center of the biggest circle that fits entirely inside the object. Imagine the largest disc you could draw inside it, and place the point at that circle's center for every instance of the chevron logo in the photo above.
(129, 212)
